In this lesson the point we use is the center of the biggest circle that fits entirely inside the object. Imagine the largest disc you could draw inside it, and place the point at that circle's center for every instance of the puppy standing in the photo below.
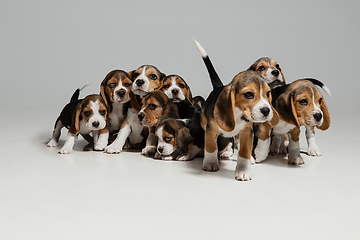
(230, 110)
(146, 78)
(298, 104)
(84, 116)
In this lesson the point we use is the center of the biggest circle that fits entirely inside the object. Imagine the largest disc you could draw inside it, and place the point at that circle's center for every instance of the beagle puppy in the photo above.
(146, 78)
(298, 104)
(82, 116)
(179, 139)
(155, 107)
(270, 70)
(230, 110)
(115, 89)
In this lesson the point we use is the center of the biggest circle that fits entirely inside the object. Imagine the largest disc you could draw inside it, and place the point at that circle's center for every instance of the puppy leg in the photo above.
(56, 134)
(243, 167)
(69, 144)
(277, 145)
(117, 145)
(263, 144)
(313, 149)
(294, 147)
(151, 143)
(210, 162)
(191, 154)
(102, 140)
(225, 147)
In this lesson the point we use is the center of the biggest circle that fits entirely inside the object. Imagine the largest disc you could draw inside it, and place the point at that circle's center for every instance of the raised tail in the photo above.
(215, 80)
(76, 94)
(320, 84)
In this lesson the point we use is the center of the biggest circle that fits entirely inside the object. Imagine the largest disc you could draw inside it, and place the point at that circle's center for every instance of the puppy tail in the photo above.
(76, 94)
(320, 84)
(215, 79)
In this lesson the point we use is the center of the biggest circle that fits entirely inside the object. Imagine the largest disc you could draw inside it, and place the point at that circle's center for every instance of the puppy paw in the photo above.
(65, 151)
(243, 175)
(112, 150)
(52, 143)
(167, 158)
(296, 160)
(314, 151)
(149, 150)
(183, 157)
(211, 166)
(252, 160)
(99, 146)
(260, 155)
(227, 152)
(243, 170)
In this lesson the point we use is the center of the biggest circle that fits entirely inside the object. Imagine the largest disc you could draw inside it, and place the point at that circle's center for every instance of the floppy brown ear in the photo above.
(224, 111)
(275, 119)
(102, 93)
(183, 140)
(189, 96)
(286, 108)
(326, 116)
(296, 120)
(75, 126)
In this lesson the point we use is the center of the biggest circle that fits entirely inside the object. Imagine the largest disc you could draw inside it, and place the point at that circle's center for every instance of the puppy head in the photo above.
(270, 70)
(93, 111)
(146, 78)
(176, 89)
(116, 87)
(173, 136)
(247, 94)
(152, 107)
(303, 104)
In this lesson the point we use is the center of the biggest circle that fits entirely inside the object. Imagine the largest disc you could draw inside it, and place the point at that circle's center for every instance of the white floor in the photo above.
(92, 195)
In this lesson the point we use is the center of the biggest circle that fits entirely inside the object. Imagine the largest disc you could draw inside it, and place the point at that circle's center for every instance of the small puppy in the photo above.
(230, 110)
(155, 107)
(146, 78)
(115, 89)
(298, 104)
(84, 116)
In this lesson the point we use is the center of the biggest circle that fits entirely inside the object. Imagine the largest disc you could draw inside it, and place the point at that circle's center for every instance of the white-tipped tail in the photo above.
(326, 90)
(84, 86)
(200, 48)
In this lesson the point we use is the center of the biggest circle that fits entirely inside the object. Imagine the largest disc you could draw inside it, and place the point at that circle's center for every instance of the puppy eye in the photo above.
(153, 77)
(166, 86)
(103, 112)
(261, 68)
(152, 106)
(303, 102)
(278, 66)
(268, 94)
(167, 139)
(249, 95)
(181, 85)
(112, 85)
(87, 113)
(127, 85)
(136, 75)
(320, 100)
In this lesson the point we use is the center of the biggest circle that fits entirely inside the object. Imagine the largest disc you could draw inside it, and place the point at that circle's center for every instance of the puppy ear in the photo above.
(162, 76)
(224, 111)
(102, 93)
(286, 108)
(77, 118)
(183, 140)
(189, 95)
(275, 119)
(130, 74)
(295, 118)
(326, 116)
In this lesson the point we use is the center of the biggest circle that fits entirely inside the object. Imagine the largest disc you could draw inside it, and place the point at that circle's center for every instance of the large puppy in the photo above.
(82, 116)
(146, 78)
(155, 107)
(230, 110)
(298, 104)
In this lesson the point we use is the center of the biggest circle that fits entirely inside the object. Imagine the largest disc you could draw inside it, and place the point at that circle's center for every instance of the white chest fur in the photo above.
(239, 125)
(116, 116)
(282, 128)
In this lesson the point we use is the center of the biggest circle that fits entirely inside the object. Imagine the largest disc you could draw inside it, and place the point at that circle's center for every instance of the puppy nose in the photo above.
(318, 116)
(265, 111)
(275, 73)
(140, 82)
(175, 91)
(96, 124)
(121, 93)
(160, 149)
(141, 116)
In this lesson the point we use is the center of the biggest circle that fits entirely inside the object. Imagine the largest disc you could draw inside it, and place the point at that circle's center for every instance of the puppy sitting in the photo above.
(155, 107)
(298, 104)
(84, 116)
(230, 110)
(146, 78)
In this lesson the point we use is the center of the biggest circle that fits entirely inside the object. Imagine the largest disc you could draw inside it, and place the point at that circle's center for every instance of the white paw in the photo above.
(99, 146)
(167, 158)
(260, 155)
(183, 157)
(227, 152)
(52, 143)
(65, 151)
(243, 170)
(149, 150)
(211, 167)
(297, 160)
(252, 160)
(112, 150)
(314, 151)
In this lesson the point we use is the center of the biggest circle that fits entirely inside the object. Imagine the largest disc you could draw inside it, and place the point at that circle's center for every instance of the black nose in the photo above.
(275, 73)
(96, 124)
(121, 93)
(265, 111)
(175, 91)
(140, 82)
(318, 116)
(141, 116)
(160, 149)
